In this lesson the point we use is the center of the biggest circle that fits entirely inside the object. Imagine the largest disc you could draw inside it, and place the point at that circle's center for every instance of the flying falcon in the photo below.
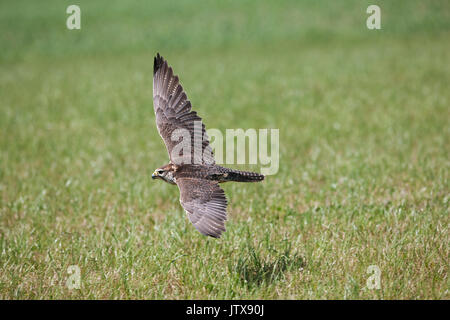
(192, 166)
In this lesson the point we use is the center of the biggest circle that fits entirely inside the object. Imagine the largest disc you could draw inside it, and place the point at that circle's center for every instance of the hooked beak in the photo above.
(155, 175)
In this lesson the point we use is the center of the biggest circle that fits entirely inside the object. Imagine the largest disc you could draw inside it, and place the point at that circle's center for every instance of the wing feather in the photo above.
(205, 204)
(173, 111)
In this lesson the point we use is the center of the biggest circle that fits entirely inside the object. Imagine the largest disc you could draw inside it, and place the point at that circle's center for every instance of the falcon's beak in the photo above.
(155, 175)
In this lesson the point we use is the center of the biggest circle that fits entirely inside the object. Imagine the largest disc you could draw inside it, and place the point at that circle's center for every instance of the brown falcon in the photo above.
(192, 166)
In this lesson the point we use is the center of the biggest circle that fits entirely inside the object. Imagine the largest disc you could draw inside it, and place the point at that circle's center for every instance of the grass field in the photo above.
(364, 149)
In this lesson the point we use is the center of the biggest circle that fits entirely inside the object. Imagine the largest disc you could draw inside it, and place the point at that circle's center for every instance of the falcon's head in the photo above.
(165, 173)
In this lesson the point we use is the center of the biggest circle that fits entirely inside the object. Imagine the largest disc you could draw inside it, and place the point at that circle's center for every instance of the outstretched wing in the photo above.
(205, 204)
(181, 128)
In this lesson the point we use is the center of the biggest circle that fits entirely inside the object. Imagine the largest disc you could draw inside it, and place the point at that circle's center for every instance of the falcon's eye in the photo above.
(160, 171)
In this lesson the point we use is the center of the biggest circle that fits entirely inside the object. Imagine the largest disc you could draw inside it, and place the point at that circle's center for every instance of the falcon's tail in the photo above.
(241, 176)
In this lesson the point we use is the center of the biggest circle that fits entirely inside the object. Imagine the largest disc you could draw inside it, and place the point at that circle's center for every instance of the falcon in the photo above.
(192, 166)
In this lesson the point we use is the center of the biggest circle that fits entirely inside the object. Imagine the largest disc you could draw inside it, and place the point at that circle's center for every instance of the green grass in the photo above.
(364, 150)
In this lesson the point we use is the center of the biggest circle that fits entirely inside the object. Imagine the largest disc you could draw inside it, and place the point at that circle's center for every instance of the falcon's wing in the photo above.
(205, 204)
(173, 111)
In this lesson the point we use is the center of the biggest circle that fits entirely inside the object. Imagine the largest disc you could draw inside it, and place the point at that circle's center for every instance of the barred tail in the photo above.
(243, 176)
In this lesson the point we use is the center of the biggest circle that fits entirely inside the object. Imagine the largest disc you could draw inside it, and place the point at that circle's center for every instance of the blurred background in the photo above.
(364, 143)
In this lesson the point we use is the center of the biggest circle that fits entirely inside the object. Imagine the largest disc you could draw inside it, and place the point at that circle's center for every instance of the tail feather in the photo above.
(243, 176)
